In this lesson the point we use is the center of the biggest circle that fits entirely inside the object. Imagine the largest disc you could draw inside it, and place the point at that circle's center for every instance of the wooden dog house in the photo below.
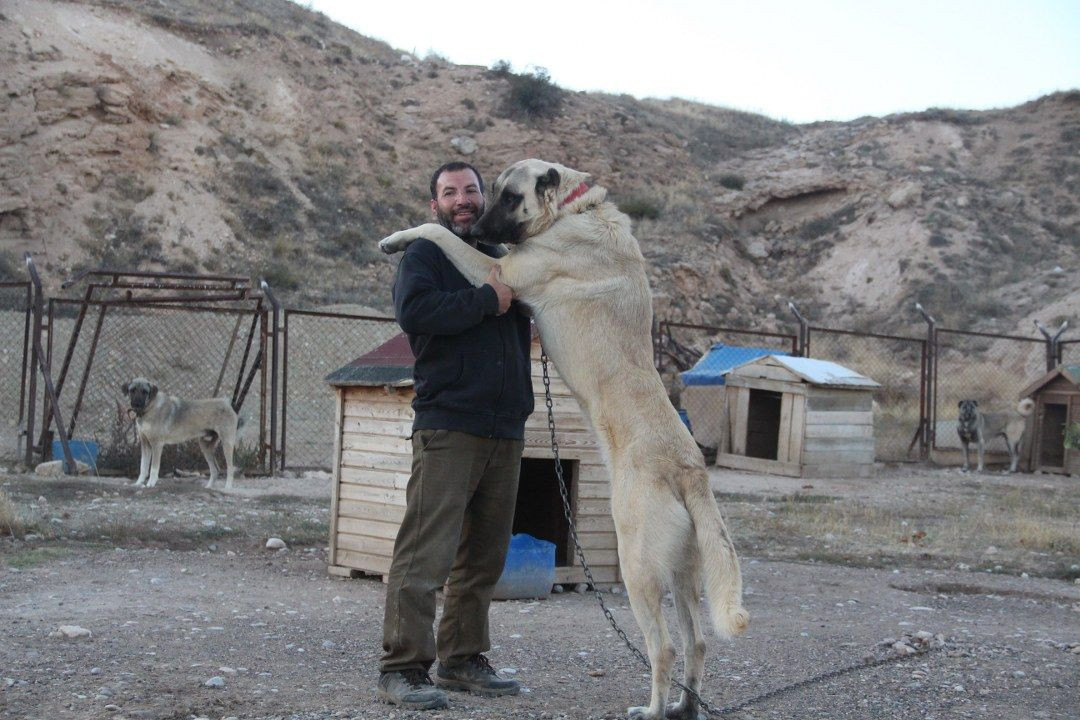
(1057, 407)
(799, 417)
(373, 459)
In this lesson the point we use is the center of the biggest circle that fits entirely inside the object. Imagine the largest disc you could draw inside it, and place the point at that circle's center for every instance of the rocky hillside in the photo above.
(261, 138)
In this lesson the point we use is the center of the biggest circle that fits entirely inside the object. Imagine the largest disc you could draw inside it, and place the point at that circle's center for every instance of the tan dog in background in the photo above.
(575, 263)
(162, 419)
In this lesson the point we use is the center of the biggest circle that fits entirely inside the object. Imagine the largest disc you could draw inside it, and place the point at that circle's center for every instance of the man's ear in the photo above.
(434, 207)
(125, 388)
(547, 181)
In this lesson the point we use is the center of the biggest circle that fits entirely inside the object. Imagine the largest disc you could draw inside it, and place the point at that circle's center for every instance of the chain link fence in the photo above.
(14, 365)
(316, 344)
(896, 363)
(186, 352)
(992, 369)
(1070, 352)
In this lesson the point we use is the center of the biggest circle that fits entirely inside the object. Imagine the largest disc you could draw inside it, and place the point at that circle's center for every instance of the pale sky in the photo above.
(796, 60)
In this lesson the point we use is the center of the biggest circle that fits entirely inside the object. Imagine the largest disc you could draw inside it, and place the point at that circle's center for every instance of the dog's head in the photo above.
(140, 393)
(526, 200)
(968, 409)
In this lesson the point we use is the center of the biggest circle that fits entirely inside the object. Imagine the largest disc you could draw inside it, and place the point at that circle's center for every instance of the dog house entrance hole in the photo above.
(763, 424)
(1052, 447)
(539, 509)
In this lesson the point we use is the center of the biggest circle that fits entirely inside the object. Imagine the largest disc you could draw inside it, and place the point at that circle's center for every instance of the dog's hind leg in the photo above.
(644, 589)
(144, 461)
(155, 462)
(686, 591)
(228, 445)
(208, 447)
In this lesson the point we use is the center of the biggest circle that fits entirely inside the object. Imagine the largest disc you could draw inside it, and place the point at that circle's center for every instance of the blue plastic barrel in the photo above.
(84, 451)
(529, 571)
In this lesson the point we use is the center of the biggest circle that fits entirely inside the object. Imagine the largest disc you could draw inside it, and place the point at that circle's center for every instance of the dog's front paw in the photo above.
(641, 713)
(397, 242)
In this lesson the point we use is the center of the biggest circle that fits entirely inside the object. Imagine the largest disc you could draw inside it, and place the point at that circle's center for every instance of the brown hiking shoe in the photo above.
(410, 689)
(477, 676)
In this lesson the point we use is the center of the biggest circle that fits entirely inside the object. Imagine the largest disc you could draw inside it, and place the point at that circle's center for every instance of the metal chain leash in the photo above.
(709, 709)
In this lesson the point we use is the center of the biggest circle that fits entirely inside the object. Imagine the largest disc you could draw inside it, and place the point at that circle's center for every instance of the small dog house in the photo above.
(799, 417)
(703, 396)
(373, 459)
(1057, 408)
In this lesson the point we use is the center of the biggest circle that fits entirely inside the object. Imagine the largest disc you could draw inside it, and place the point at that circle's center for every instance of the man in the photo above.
(473, 394)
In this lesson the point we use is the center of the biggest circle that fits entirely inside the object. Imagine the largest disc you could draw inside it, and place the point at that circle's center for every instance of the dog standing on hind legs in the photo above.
(163, 419)
(975, 426)
(575, 263)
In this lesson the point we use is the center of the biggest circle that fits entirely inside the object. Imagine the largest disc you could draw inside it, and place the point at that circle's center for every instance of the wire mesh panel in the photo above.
(1070, 352)
(991, 369)
(896, 364)
(187, 353)
(679, 347)
(14, 359)
(319, 343)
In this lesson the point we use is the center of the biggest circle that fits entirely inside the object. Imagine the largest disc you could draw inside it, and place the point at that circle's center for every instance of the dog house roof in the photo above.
(389, 364)
(721, 359)
(1069, 372)
(819, 372)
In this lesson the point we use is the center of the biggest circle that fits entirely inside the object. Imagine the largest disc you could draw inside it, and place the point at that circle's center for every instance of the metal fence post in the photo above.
(43, 365)
(930, 381)
(274, 326)
(803, 348)
(1053, 344)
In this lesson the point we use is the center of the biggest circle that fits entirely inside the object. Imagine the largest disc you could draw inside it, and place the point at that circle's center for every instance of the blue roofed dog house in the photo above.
(703, 396)
(798, 416)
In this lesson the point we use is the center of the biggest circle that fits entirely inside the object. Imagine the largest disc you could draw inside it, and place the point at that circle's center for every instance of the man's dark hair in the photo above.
(453, 167)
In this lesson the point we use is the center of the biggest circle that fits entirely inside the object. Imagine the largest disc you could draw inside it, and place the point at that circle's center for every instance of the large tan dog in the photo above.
(576, 264)
(162, 419)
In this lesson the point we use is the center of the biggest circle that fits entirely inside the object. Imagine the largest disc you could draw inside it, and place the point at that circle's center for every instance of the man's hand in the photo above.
(505, 292)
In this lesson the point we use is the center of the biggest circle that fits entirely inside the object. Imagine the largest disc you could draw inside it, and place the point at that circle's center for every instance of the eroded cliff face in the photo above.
(262, 138)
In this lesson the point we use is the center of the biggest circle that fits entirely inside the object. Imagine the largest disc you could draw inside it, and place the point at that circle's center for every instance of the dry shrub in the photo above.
(9, 521)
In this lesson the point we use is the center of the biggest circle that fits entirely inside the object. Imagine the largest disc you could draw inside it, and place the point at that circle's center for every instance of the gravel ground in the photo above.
(169, 614)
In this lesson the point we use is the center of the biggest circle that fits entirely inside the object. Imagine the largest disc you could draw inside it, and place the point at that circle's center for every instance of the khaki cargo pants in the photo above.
(458, 517)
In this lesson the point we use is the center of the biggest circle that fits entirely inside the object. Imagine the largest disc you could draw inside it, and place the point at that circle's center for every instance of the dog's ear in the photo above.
(548, 181)
(125, 388)
(975, 403)
(960, 404)
(153, 392)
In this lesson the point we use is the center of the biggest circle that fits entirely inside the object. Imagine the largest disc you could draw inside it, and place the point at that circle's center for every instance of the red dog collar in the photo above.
(578, 192)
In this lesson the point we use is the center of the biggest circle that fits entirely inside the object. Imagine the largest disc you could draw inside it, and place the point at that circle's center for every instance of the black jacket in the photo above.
(472, 370)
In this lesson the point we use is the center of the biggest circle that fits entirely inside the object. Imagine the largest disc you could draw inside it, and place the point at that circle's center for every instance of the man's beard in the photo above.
(447, 221)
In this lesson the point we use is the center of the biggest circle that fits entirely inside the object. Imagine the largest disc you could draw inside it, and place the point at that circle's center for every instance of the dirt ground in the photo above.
(176, 588)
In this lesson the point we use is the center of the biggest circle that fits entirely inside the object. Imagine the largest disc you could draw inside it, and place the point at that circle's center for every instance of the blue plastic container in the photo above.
(529, 571)
(85, 451)
(686, 419)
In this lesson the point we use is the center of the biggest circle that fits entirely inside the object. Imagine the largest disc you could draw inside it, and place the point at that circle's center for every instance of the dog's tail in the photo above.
(1025, 407)
(719, 564)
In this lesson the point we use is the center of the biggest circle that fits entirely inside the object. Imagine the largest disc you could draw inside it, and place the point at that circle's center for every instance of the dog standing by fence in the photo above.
(163, 419)
(576, 264)
(975, 426)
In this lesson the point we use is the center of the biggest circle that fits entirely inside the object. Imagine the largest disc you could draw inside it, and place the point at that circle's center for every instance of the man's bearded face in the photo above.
(458, 202)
